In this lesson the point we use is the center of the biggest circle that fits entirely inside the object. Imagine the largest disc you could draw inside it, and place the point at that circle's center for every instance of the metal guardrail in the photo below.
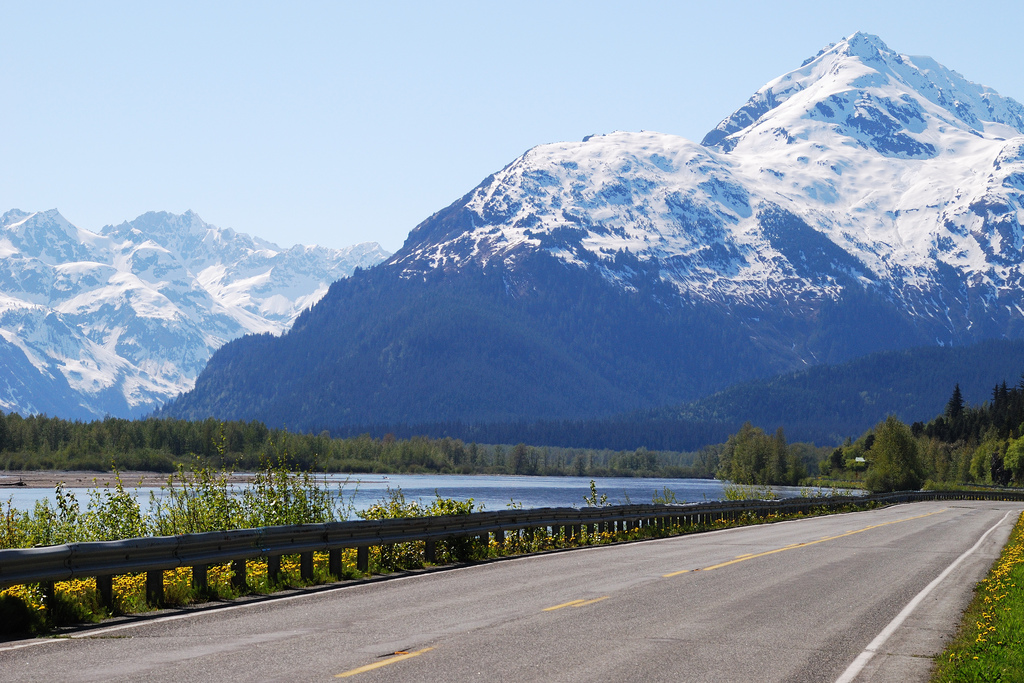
(104, 559)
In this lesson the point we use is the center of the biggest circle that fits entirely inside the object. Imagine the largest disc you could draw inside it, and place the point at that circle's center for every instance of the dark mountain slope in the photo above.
(824, 404)
(486, 345)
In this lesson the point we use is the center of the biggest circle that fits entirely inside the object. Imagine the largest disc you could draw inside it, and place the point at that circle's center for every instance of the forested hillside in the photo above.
(823, 405)
(543, 341)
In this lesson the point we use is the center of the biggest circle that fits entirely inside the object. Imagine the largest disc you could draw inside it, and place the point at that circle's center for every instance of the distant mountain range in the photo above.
(119, 321)
(865, 201)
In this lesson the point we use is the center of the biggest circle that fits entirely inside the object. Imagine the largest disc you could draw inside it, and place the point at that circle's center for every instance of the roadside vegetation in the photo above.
(203, 500)
(990, 643)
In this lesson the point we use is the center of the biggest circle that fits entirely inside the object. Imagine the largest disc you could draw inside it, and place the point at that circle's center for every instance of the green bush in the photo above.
(895, 465)
(17, 618)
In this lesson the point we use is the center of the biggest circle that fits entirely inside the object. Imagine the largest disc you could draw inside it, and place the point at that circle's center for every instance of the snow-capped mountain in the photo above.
(865, 201)
(863, 163)
(117, 322)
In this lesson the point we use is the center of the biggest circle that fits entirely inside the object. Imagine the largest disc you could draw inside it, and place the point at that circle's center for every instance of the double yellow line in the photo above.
(794, 546)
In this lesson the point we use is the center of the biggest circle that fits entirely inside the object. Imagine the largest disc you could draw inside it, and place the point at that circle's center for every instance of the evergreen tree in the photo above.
(955, 406)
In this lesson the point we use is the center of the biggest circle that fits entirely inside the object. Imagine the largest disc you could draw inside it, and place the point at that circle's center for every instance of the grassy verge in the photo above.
(990, 643)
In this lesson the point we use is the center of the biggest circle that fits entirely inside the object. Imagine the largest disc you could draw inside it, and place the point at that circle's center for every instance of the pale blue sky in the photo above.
(335, 123)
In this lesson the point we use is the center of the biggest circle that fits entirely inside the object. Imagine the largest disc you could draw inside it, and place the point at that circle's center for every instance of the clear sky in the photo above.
(334, 123)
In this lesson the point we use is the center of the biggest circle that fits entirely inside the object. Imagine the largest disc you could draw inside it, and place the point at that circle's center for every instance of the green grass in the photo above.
(990, 643)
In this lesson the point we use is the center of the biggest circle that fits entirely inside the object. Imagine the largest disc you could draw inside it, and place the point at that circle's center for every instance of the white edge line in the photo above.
(864, 657)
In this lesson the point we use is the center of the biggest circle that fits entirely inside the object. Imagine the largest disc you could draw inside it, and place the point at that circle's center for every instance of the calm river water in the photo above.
(493, 492)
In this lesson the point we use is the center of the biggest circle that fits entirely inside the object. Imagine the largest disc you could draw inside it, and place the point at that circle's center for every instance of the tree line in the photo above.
(975, 445)
(161, 444)
(979, 445)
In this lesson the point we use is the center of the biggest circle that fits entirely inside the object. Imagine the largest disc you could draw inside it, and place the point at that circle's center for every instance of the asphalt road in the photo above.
(794, 601)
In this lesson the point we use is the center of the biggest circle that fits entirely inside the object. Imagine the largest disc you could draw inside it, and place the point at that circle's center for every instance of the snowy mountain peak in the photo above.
(864, 45)
(863, 169)
(126, 318)
(44, 235)
(13, 216)
(861, 89)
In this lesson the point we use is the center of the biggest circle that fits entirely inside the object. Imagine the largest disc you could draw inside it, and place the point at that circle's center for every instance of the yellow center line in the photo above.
(385, 662)
(681, 571)
(591, 602)
(576, 603)
(793, 546)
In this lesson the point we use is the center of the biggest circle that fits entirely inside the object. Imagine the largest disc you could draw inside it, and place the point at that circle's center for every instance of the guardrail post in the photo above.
(105, 587)
(499, 538)
(430, 551)
(49, 594)
(155, 587)
(273, 568)
(363, 558)
(239, 579)
(306, 565)
(200, 578)
(334, 564)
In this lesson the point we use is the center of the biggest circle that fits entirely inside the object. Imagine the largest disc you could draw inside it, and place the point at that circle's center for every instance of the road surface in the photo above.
(793, 601)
